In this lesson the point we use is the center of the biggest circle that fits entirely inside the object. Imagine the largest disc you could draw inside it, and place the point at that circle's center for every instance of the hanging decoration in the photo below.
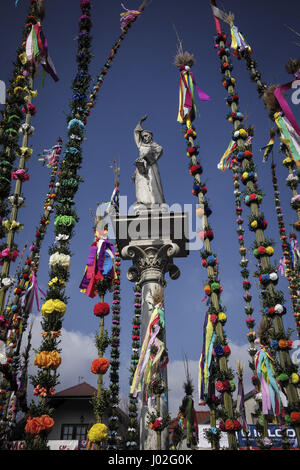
(36, 51)
(209, 336)
(187, 85)
(269, 388)
(54, 308)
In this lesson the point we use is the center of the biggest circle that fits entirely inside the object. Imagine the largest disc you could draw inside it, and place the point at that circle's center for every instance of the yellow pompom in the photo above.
(98, 432)
(51, 306)
(222, 317)
(270, 250)
(295, 378)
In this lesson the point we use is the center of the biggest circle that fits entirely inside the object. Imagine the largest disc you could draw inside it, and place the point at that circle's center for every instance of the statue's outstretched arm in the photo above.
(138, 130)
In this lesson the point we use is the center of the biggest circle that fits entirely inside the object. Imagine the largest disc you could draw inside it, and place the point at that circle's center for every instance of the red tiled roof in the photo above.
(81, 390)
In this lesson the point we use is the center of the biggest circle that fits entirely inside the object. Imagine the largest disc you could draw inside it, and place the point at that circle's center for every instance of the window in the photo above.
(74, 431)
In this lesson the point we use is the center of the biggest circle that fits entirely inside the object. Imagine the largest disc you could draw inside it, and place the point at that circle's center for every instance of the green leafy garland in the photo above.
(48, 356)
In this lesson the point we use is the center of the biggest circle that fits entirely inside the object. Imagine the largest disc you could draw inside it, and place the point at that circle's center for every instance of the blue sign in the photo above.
(274, 433)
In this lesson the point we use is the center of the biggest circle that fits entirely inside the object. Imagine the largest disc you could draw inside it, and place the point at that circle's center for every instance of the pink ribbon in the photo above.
(278, 93)
(188, 97)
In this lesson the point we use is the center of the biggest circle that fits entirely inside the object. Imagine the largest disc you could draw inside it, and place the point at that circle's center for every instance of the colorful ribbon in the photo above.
(238, 41)
(37, 50)
(278, 93)
(268, 149)
(205, 358)
(128, 16)
(269, 388)
(146, 365)
(288, 136)
(225, 161)
(187, 106)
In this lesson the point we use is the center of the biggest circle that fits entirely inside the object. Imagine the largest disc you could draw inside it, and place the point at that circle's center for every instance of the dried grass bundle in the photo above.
(292, 66)
(250, 130)
(239, 369)
(157, 296)
(263, 331)
(184, 58)
(270, 101)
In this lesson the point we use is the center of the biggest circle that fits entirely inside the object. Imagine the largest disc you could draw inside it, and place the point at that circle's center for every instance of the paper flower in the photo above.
(98, 432)
(60, 259)
(100, 366)
(53, 305)
(101, 309)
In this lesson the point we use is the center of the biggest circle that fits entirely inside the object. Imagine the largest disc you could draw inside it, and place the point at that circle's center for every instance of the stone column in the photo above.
(152, 258)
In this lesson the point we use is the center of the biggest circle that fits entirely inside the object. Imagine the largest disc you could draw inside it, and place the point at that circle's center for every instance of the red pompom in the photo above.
(101, 309)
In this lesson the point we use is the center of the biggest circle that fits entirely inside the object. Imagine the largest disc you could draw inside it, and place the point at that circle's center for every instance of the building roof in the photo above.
(81, 390)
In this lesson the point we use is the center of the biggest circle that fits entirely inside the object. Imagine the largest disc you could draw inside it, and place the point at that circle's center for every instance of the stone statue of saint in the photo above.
(148, 185)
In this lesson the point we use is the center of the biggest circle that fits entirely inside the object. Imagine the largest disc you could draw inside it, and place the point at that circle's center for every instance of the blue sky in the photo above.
(143, 80)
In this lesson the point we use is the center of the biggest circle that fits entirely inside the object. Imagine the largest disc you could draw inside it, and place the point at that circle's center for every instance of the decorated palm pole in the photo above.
(133, 429)
(127, 18)
(35, 53)
(272, 299)
(275, 102)
(215, 337)
(288, 262)
(48, 357)
(17, 311)
(12, 116)
(97, 281)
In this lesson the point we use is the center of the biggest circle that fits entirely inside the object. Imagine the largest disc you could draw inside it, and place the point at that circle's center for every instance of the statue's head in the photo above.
(146, 136)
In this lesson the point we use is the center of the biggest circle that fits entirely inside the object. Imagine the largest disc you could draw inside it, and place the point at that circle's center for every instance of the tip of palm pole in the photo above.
(40, 9)
(263, 331)
(184, 59)
(250, 130)
(239, 368)
(143, 6)
(270, 101)
(292, 66)
(157, 296)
